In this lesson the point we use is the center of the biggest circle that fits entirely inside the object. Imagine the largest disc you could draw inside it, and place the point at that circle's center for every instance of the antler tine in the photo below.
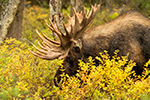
(51, 28)
(65, 28)
(56, 21)
(41, 36)
(95, 5)
(92, 11)
(54, 29)
(47, 57)
(55, 42)
(48, 43)
(80, 13)
(40, 50)
(84, 11)
(87, 13)
(84, 16)
(76, 18)
(36, 54)
(77, 24)
(42, 46)
(98, 6)
(59, 29)
(68, 15)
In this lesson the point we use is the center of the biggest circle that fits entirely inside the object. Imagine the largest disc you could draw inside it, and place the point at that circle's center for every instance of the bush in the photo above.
(106, 81)
(23, 76)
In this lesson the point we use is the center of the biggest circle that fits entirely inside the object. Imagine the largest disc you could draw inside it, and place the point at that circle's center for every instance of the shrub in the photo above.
(106, 81)
(23, 76)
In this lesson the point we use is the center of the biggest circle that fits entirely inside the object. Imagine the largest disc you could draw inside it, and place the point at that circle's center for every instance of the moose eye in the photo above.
(77, 49)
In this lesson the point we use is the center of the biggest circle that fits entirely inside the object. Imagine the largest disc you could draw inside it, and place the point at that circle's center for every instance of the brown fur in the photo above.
(129, 33)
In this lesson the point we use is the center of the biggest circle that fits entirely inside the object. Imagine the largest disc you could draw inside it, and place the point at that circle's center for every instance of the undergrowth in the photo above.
(23, 76)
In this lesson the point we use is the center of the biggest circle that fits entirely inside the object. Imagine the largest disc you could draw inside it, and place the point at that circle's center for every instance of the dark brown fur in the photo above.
(129, 33)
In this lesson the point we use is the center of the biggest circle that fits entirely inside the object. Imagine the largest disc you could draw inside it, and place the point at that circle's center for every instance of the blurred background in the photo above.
(32, 14)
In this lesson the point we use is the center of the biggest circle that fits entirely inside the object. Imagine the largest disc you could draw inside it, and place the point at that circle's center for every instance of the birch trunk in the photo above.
(7, 17)
(55, 13)
(15, 29)
(77, 4)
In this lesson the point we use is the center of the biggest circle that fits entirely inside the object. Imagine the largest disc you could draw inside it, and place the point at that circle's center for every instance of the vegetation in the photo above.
(23, 76)
(34, 18)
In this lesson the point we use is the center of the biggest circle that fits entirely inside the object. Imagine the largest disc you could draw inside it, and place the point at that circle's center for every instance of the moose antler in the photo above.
(77, 24)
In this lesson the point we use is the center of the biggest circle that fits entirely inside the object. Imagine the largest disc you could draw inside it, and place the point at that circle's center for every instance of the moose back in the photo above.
(128, 33)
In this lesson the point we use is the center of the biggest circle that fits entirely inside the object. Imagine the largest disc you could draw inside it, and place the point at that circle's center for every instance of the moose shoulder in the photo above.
(129, 33)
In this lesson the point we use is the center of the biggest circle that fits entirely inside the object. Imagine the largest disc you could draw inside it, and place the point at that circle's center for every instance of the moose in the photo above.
(128, 33)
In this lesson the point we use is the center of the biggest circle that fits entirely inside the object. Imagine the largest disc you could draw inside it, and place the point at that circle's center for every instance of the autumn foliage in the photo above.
(23, 76)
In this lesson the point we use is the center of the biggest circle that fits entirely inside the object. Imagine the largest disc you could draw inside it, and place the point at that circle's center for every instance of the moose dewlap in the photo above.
(129, 33)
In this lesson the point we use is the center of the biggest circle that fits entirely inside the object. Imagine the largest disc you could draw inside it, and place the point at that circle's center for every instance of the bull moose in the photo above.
(129, 33)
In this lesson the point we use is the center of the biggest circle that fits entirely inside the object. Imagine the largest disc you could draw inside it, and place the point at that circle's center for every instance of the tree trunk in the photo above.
(55, 13)
(15, 29)
(1, 7)
(109, 4)
(77, 4)
(9, 18)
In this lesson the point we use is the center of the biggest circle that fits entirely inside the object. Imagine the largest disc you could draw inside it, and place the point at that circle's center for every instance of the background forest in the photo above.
(26, 77)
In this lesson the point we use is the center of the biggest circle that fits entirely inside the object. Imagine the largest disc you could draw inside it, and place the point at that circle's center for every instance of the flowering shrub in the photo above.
(23, 76)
